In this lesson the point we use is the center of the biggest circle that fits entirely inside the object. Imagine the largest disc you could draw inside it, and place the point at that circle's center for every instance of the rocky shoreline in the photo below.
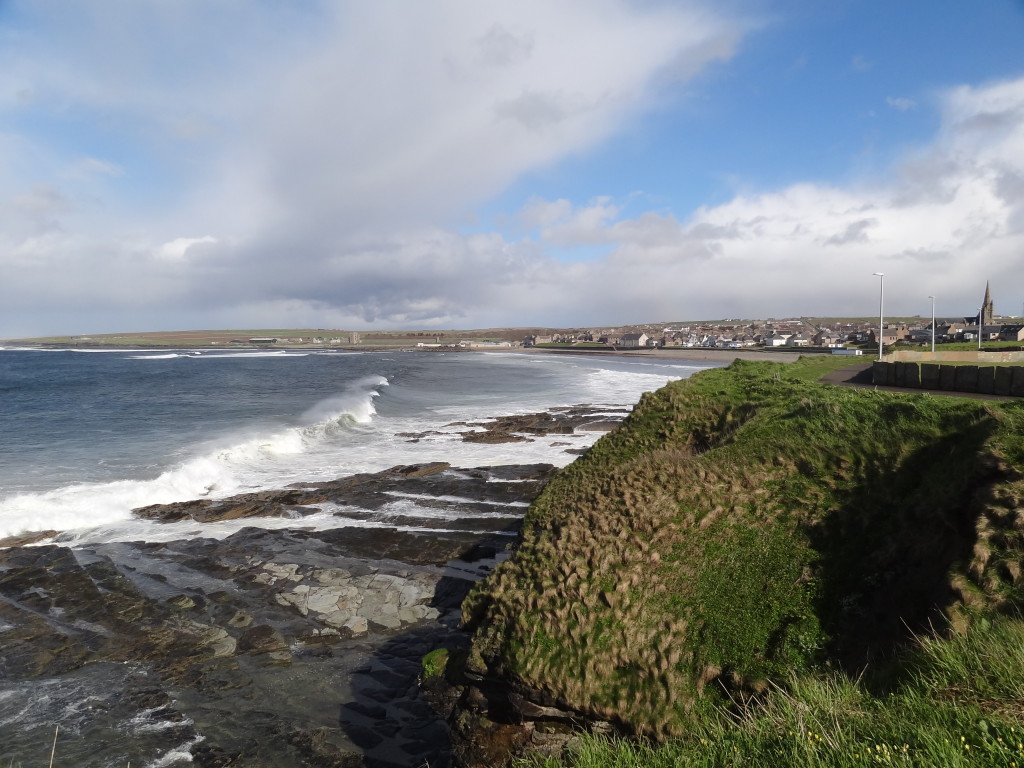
(267, 648)
(270, 647)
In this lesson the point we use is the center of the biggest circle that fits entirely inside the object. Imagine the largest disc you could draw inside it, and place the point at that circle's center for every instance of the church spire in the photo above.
(987, 309)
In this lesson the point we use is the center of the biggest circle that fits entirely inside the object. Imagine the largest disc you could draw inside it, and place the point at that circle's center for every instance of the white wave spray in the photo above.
(221, 471)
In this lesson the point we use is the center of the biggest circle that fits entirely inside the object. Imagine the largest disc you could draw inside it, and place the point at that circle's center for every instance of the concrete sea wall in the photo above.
(984, 379)
(960, 356)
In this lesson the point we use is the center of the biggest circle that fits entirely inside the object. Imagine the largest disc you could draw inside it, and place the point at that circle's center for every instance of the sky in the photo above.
(192, 164)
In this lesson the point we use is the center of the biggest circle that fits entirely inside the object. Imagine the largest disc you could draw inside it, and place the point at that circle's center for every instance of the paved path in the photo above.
(859, 375)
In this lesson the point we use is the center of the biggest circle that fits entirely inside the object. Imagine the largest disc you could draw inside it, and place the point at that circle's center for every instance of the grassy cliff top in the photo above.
(747, 523)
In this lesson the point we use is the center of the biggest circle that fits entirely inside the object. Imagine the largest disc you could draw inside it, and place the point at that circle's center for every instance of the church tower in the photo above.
(987, 310)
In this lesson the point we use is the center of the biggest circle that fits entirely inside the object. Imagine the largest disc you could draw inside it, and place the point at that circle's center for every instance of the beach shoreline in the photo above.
(673, 353)
(682, 353)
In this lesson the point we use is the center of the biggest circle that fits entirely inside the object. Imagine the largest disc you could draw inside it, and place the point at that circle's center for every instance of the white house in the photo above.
(634, 340)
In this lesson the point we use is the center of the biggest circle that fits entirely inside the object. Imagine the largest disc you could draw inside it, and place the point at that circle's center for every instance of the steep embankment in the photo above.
(747, 522)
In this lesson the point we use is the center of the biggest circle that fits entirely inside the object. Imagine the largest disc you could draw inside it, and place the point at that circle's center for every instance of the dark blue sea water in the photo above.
(88, 436)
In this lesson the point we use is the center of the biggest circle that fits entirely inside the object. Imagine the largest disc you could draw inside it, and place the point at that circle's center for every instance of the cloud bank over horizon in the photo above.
(351, 165)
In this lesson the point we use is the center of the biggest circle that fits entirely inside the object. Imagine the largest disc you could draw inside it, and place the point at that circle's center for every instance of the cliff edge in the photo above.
(740, 525)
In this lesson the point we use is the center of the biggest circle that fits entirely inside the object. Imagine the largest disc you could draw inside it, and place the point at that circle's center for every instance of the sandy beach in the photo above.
(681, 353)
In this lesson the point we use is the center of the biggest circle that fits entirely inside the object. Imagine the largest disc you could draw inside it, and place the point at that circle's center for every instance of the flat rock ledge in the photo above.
(340, 600)
(524, 428)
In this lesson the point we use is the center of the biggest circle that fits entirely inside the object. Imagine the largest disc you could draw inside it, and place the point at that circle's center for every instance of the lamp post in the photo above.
(933, 323)
(881, 295)
(981, 328)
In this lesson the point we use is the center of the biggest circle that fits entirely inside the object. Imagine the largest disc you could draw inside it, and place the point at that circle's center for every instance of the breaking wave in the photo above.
(238, 466)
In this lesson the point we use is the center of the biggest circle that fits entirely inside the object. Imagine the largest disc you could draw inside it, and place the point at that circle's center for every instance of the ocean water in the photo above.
(88, 436)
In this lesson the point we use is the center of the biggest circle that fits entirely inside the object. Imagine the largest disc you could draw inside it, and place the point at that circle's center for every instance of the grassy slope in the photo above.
(960, 703)
(747, 525)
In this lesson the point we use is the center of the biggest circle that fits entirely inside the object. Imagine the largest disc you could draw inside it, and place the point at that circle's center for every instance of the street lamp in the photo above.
(981, 328)
(933, 323)
(881, 294)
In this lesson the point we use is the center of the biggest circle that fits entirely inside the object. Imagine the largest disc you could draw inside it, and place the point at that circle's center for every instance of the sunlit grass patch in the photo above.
(959, 704)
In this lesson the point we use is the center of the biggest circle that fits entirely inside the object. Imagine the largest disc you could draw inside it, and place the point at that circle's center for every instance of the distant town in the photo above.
(792, 332)
(782, 333)
(772, 333)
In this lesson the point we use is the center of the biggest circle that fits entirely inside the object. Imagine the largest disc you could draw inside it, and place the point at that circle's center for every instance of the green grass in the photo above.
(750, 525)
(434, 663)
(813, 367)
(961, 704)
(973, 345)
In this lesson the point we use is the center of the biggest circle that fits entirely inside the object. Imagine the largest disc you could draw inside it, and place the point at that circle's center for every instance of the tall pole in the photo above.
(981, 328)
(881, 316)
(933, 323)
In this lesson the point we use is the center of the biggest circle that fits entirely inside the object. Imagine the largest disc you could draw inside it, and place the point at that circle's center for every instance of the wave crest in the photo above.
(217, 472)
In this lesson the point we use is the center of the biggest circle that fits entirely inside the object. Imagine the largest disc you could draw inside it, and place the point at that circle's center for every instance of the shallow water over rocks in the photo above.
(286, 647)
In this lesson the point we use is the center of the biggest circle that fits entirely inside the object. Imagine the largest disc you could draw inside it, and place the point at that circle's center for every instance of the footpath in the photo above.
(859, 375)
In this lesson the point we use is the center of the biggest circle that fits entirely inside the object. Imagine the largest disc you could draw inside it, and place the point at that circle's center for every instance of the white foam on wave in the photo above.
(278, 353)
(454, 499)
(66, 350)
(335, 516)
(407, 507)
(178, 755)
(606, 387)
(150, 721)
(95, 351)
(219, 472)
(196, 355)
(336, 437)
(330, 517)
(29, 349)
(135, 529)
(169, 356)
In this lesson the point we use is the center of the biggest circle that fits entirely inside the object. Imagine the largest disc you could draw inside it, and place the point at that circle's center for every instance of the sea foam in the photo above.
(222, 471)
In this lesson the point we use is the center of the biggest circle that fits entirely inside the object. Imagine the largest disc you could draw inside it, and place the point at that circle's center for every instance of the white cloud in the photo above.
(563, 224)
(500, 47)
(417, 120)
(860, 63)
(900, 103)
(91, 167)
(295, 136)
(34, 212)
(178, 248)
(306, 173)
(944, 222)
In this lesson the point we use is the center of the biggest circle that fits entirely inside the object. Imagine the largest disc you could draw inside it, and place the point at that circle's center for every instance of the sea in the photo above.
(87, 436)
(90, 435)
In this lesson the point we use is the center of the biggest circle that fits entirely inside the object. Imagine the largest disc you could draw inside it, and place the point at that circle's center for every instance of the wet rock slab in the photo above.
(481, 487)
(268, 648)
(525, 428)
(522, 428)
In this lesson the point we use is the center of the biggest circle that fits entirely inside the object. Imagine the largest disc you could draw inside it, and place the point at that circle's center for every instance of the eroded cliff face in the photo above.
(739, 525)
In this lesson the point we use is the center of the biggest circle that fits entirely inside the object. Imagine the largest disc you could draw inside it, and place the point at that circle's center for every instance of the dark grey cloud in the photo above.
(500, 47)
(540, 111)
(855, 232)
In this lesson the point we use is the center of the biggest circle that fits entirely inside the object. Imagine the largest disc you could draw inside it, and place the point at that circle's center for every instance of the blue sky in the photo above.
(818, 91)
(184, 164)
